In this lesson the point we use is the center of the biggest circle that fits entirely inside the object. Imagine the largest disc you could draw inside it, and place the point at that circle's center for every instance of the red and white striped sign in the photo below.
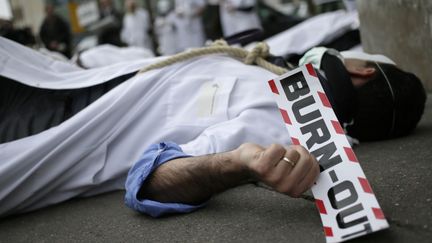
(343, 195)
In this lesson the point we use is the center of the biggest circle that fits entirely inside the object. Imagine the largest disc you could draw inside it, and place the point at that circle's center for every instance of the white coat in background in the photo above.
(234, 21)
(207, 105)
(166, 31)
(135, 29)
(189, 26)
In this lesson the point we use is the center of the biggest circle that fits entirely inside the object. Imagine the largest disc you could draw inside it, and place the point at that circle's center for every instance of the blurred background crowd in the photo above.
(163, 27)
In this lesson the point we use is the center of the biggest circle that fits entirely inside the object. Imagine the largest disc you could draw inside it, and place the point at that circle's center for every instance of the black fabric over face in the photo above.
(338, 84)
(389, 105)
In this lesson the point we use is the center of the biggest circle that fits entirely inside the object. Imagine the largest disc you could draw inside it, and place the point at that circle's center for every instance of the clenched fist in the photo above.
(291, 170)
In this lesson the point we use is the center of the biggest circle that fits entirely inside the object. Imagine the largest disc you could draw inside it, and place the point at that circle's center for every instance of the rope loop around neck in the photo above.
(260, 50)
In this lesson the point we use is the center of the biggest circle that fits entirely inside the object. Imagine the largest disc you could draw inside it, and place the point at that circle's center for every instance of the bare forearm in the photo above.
(195, 179)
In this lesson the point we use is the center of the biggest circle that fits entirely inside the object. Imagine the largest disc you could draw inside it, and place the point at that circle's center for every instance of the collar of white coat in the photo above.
(367, 57)
(314, 56)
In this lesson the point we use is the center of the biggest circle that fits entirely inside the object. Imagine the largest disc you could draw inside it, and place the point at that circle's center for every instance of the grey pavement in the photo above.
(399, 171)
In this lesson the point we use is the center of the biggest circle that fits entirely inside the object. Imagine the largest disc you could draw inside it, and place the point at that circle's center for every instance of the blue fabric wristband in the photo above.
(153, 157)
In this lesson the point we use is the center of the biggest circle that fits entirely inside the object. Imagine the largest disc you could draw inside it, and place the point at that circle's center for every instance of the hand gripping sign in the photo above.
(344, 198)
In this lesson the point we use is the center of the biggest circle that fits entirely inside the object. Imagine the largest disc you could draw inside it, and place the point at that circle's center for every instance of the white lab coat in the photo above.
(189, 26)
(105, 55)
(207, 105)
(165, 29)
(235, 21)
(135, 29)
(312, 32)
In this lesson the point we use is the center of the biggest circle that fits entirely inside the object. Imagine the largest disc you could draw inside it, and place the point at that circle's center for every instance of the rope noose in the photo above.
(256, 56)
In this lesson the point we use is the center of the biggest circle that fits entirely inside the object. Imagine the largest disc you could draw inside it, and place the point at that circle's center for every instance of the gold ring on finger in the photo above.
(289, 161)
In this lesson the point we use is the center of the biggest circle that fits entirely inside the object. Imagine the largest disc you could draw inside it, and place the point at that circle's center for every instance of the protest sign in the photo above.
(343, 195)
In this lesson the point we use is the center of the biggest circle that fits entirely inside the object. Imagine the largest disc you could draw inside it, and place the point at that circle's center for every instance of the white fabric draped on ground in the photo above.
(312, 32)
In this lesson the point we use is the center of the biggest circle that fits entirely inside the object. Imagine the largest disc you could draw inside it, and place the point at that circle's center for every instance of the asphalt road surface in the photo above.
(398, 170)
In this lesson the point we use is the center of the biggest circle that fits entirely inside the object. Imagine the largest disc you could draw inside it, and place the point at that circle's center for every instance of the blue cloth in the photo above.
(153, 157)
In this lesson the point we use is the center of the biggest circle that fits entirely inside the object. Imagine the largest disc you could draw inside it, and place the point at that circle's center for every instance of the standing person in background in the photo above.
(23, 35)
(190, 30)
(238, 16)
(211, 18)
(111, 33)
(107, 9)
(165, 28)
(55, 32)
(136, 26)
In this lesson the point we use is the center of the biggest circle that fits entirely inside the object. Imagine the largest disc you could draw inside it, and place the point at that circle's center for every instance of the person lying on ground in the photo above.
(184, 132)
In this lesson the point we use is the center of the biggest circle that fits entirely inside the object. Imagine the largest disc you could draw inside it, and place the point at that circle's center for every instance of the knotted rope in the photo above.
(256, 56)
